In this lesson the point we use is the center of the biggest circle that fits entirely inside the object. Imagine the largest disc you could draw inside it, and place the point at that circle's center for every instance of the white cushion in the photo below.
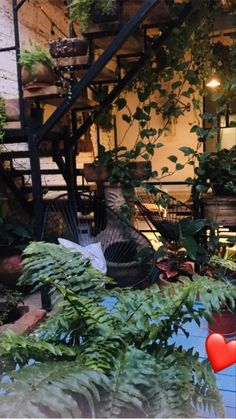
(93, 252)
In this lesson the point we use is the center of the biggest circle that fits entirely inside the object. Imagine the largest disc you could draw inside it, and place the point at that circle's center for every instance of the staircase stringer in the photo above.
(95, 69)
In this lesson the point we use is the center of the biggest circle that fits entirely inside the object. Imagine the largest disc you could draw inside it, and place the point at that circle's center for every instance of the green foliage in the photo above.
(91, 360)
(2, 118)
(55, 265)
(81, 10)
(13, 232)
(217, 171)
(29, 58)
(9, 300)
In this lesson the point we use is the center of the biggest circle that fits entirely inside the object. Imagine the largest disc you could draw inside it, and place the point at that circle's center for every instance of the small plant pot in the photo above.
(42, 75)
(68, 47)
(223, 322)
(10, 266)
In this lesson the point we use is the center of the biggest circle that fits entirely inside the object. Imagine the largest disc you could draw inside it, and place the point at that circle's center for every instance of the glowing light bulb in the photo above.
(213, 83)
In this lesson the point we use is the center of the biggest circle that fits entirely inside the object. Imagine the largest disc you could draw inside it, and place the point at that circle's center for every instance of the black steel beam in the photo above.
(96, 68)
(131, 73)
(19, 5)
(6, 49)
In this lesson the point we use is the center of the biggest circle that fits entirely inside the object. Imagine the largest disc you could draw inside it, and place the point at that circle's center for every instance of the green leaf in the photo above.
(120, 103)
(187, 150)
(173, 159)
(126, 118)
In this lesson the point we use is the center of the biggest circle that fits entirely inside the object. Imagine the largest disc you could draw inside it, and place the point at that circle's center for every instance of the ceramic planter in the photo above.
(42, 75)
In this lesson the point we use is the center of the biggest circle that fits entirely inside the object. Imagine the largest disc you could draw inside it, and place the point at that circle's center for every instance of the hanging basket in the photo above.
(68, 47)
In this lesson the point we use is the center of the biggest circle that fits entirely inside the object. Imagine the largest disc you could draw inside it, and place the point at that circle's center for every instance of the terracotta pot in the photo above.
(42, 74)
(94, 173)
(68, 47)
(223, 322)
(10, 266)
(139, 170)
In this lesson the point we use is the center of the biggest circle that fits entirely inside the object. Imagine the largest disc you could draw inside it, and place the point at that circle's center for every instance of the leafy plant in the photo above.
(107, 353)
(9, 300)
(2, 118)
(217, 171)
(29, 58)
(13, 232)
(81, 10)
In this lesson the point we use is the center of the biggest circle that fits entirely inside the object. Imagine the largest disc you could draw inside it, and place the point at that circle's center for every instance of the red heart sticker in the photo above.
(221, 353)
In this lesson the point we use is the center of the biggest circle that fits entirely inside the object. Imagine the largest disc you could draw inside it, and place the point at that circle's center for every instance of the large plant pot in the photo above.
(41, 75)
(139, 170)
(10, 266)
(223, 322)
(221, 209)
(68, 47)
(122, 265)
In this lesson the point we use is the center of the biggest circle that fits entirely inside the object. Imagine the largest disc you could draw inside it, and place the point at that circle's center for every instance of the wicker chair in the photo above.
(129, 254)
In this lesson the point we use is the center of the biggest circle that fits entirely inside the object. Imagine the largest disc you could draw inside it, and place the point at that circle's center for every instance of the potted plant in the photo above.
(119, 175)
(68, 47)
(217, 171)
(14, 237)
(37, 67)
(91, 11)
(224, 320)
(178, 256)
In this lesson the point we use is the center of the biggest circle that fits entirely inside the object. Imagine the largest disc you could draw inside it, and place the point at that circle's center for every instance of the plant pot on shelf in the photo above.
(10, 266)
(138, 170)
(41, 76)
(221, 209)
(68, 47)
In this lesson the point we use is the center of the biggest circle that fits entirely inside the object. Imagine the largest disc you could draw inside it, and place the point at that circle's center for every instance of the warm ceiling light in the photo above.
(213, 83)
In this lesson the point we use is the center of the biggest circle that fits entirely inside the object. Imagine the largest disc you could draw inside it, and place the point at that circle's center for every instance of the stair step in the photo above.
(9, 155)
(28, 189)
(27, 172)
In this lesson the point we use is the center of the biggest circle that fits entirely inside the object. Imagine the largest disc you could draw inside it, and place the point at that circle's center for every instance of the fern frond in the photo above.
(50, 264)
(56, 389)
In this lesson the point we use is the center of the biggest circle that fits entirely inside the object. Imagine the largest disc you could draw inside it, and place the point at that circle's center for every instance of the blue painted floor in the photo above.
(226, 379)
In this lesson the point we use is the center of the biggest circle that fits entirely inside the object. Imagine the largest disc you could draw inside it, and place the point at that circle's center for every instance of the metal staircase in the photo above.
(125, 40)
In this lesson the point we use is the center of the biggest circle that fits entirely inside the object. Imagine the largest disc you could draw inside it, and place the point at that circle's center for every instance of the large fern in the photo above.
(93, 360)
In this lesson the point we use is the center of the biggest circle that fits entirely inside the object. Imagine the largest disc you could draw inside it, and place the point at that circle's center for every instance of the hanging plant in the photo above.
(81, 10)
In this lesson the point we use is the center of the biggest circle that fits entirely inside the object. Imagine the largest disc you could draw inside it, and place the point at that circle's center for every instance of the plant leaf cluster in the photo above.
(29, 58)
(107, 353)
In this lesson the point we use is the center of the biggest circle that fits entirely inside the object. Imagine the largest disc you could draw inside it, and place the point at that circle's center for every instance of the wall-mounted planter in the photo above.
(42, 75)
(68, 47)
